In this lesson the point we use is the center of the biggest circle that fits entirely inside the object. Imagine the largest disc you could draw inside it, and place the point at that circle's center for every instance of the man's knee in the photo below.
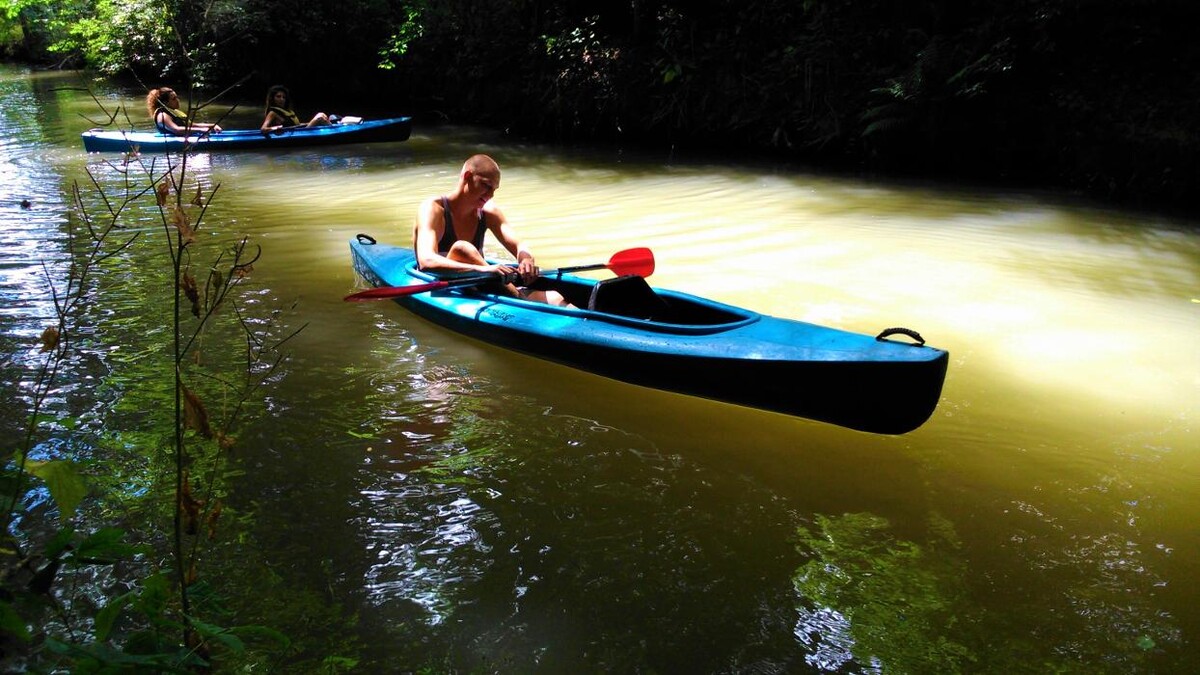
(465, 252)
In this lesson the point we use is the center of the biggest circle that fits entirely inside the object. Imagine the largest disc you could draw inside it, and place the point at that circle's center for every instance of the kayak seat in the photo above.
(629, 296)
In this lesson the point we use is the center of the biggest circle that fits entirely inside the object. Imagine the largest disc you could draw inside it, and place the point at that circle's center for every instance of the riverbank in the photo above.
(1086, 97)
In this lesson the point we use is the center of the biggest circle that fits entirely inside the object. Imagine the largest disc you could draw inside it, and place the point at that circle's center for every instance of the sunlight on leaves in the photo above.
(66, 485)
(179, 218)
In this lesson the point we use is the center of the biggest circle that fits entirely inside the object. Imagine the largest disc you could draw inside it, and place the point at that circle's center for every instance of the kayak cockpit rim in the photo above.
(694, 315)
(490, 299)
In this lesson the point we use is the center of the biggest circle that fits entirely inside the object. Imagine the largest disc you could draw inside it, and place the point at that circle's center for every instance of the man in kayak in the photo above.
(448, 236)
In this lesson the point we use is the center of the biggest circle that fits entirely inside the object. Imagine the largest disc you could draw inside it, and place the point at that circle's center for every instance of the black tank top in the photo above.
(448, 237)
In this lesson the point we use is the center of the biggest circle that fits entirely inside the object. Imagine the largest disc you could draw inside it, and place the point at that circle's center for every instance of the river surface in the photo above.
(519, 516)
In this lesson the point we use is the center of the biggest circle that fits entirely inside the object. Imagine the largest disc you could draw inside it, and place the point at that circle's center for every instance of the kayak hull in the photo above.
(369, 131)
(704, 349)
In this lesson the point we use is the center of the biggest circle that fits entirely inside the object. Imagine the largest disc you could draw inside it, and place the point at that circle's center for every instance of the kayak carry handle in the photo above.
(364, 238)
(888, 332)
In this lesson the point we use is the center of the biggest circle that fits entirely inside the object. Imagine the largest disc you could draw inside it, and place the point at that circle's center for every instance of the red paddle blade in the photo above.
(384, 292)
(638, 261)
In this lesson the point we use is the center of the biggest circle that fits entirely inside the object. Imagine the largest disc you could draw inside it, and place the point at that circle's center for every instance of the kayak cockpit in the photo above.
(631, 297)
(625, 299)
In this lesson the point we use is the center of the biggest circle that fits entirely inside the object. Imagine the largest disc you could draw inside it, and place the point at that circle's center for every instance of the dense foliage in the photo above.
(1086, 94)
(117, 531)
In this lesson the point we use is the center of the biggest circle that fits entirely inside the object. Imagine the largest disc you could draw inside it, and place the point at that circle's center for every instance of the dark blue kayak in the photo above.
(678, 342)
(368, 131)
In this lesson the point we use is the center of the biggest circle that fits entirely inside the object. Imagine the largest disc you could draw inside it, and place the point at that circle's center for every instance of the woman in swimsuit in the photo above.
(163, 106)
(279, 112)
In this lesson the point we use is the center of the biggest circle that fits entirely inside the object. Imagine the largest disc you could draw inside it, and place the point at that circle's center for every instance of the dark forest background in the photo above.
(1100, 97)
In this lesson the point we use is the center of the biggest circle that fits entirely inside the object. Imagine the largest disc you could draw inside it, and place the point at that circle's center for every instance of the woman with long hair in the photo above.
(279, 111)
(163, 105)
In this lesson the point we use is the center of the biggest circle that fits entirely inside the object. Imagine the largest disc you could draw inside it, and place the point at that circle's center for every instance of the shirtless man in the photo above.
(448, 236)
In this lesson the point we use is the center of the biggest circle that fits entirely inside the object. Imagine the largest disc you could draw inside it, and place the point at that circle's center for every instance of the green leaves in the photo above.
(106, 546)
(109, 613)
(66, 485)
(409, 29)
(220, 636)
(11, 623)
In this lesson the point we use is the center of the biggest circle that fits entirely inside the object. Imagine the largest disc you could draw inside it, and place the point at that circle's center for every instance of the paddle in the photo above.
(637, 261)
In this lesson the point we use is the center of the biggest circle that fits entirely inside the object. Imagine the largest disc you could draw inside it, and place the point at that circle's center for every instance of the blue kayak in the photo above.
(673, 341)
(368, 131)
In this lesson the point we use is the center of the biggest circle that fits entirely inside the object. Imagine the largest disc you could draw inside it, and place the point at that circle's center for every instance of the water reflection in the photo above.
(419, 553)
(526, 536)
(294, 161)
(825, 634)
(33, 263)
(870, 601)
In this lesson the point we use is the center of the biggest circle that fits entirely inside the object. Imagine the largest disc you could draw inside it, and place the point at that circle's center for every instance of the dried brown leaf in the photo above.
(188, 283)
(163, 191)
(198, 199)
(195, 416)
(179, 218)
(50, 338)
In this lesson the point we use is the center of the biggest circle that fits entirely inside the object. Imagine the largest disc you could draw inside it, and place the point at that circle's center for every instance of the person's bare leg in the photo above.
(465, 252)
(550, 298)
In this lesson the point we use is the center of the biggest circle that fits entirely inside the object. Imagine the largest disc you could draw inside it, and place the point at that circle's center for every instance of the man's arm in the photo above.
(507, 236)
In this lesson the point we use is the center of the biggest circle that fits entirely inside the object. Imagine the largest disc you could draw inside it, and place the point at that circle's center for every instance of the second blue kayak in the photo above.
(369, 131)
